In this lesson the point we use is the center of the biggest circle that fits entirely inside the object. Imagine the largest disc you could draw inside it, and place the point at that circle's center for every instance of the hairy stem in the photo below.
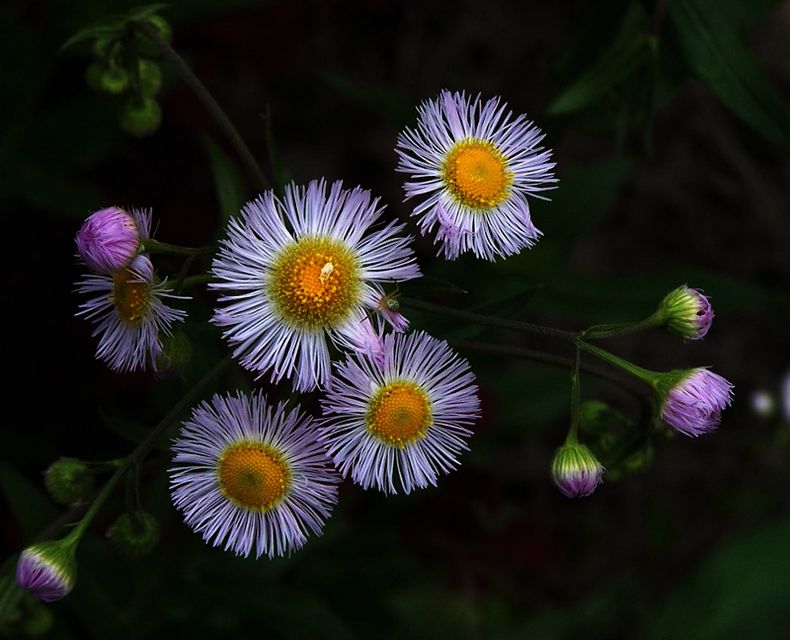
(208, 101)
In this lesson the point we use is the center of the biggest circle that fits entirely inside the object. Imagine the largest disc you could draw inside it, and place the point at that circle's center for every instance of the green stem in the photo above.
(192, 281)
(137, 456)
(208, 101)
(624, 328)
(643, 374)
(573, 431)
(542, 357)
(155, 246)
(491, 321)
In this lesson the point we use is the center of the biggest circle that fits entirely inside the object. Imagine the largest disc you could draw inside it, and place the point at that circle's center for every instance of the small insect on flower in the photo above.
(693, 400)
(297, 273)
(251, 477)
(129, 315)
(397, 424)
(473, 166)
(110, 238)
(388, 309)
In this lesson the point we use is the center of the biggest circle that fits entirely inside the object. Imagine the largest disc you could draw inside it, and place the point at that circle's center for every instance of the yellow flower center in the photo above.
(315, 282)
(399, 414)
(253, 475)
(131, 297)
(476, 173)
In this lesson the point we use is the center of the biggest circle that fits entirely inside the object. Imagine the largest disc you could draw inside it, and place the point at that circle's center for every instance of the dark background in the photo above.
(673, 169)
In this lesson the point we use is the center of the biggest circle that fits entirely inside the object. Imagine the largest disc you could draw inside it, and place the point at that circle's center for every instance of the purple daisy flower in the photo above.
(252, 477)
(397, 425)
(687, 312)
(576, 471)
(129, 315)
(300, 272)
(110, 238)
(694, 402)
(47, 570)
(473, 164)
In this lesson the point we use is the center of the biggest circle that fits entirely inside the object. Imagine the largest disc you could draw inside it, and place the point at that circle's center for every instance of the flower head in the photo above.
(129, 315)
(251, 477)
(687, 312)
(388, 309)
(110, 238)
(473, 165)
(68, 480)
(47, 569)
(693, 400)
(398, 424)
(299, 272)
(575, 470)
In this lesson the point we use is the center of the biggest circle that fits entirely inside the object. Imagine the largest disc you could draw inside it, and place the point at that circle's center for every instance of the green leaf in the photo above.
(231, 192)
(146, 11)
(738, 591)
(387, 102)
(108, 28)
(31, 506)
(717, 55)
(631, 48)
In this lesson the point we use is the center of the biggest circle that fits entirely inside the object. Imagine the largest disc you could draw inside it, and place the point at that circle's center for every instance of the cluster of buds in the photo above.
(690, 401)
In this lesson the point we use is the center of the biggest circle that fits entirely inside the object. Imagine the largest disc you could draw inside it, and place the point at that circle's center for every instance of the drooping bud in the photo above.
(692, 400)
(135, 534)
(575, 470)
(108, 240)
(148, 47)
(68, 480)
(175, 356)
(141, 118)
(687, 312)
(150, 78)
(48, 569)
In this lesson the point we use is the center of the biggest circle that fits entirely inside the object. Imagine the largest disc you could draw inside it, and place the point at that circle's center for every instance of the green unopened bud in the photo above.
(150, 78)
(115, 80)
(575, 470)
(134, 534)
(105, 47)
(687, 313)
(68, 480)
(176, 354)
(145, 45)
(141, 119)
(48, 570)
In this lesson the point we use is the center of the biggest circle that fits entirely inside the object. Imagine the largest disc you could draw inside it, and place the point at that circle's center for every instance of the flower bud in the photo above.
(693, 399)
(48, 569)
(141, 119)
(150, 78)
(135, 534)
(148, 47)
(108, 240)
(68, 480)
(687, 312)
(175, 356)
(575, 470)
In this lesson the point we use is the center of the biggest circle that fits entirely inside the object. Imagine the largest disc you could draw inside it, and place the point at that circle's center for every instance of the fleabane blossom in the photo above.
(130, 315)
(694, 399)
(298, 273)
(251, 477)
(471, 166)
(398, 423)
